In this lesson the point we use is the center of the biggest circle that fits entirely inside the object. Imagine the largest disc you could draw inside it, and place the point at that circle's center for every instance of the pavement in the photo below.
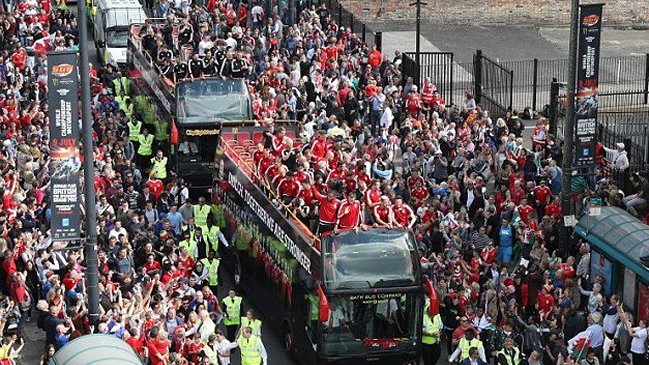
(509, 42)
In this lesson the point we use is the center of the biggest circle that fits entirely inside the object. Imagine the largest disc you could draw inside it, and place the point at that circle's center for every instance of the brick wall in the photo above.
(390, 13)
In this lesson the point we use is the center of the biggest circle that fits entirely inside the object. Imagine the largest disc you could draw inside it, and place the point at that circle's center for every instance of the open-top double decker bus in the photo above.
(345, 298)
(191, 111)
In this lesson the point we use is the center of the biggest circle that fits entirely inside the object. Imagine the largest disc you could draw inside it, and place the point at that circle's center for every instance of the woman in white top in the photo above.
(639, 339)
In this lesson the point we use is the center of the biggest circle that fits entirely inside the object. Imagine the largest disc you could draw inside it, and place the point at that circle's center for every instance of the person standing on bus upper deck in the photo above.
(327, 211)
(350, 214)
(383, 214)
(288, 188)
(181, 70)
(196, 67)
(281, 141)
(404, 216)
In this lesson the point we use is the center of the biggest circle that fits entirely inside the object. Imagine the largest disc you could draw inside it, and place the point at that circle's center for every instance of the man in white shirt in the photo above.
(117, 230)
(207, 326)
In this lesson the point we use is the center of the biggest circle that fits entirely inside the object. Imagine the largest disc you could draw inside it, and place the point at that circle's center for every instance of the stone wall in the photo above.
(392, 13)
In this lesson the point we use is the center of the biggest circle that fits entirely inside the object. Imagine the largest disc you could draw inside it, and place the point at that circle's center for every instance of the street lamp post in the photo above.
(418, 5)
(90, 250)
(568, 146)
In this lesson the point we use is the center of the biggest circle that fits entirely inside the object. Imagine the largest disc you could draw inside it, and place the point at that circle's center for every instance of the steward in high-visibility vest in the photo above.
(211, 263)
(213, 232)
(250, 321)
(466, 343)
(159, 165)
(201, 211)
(127, 108)
(231, 307)
(134, 128)
(430, 346)
(122, 85)
(189, 243)
(509, 354)
(252, 349)
(161, 130)
(146, 142)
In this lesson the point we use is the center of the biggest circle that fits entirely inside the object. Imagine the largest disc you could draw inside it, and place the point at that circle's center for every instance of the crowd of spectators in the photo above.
(372, 148)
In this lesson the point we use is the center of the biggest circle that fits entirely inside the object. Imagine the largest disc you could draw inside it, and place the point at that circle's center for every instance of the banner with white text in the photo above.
(65, 164)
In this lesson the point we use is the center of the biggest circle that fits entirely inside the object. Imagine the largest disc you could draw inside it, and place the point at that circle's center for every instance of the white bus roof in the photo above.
(119, 4)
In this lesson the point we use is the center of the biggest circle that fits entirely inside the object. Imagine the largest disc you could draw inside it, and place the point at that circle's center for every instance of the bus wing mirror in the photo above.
(323, 307)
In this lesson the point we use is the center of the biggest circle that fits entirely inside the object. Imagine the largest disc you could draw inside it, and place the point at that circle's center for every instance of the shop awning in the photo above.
(96, 350)
(620, 236)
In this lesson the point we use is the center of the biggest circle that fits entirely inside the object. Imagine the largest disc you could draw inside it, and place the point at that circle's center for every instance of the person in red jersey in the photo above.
(350, 214)
(542, 195)
(327, 212)
(554, 208)
(414, 179)
(419, 194)
(373, 195)
(260, 153)
(320, 145)
(265, 163)
(383, 214)
(156, 186)
(404, 216)
(413, 102)
(525, 210)
(288, 189)
(427, 91)
(281, 142)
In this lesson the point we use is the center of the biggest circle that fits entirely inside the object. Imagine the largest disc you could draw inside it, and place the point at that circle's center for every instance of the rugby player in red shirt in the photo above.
(404, 216)
(350, 214)
(383, 214)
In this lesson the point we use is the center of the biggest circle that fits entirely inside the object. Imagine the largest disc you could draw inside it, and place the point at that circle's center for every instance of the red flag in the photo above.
(323, 305)
(432, 295)
(174, 133)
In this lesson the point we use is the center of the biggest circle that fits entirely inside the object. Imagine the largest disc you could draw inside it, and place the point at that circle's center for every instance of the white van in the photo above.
(111, 20)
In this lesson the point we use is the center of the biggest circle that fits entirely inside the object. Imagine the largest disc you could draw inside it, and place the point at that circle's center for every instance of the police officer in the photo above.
(430, 340)
(211, 263)
(250, 321)
(231, 307)
(510, 354)
(466, 343)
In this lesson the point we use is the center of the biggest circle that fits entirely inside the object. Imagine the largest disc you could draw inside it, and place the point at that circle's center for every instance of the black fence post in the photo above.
(351, 22)
(330, 7)
(363, 31)
(646, 79)
(340, 15)
(378, 40)
(450, 94)
(535, 83)
(511, 91)
(477, 76)
(625, 177)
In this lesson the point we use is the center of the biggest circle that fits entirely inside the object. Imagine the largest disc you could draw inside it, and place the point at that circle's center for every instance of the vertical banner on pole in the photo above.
(65, 164)
(586, 94)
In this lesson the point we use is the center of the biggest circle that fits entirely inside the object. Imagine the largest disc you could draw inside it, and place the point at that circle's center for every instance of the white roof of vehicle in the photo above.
(123, 4)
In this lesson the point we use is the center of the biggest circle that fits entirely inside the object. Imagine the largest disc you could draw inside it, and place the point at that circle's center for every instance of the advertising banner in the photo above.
(602, 267)
(65, 164)
(590, 26)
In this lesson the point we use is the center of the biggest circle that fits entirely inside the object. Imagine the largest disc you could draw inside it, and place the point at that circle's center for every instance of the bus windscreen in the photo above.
(205, 100)
(369, 259)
